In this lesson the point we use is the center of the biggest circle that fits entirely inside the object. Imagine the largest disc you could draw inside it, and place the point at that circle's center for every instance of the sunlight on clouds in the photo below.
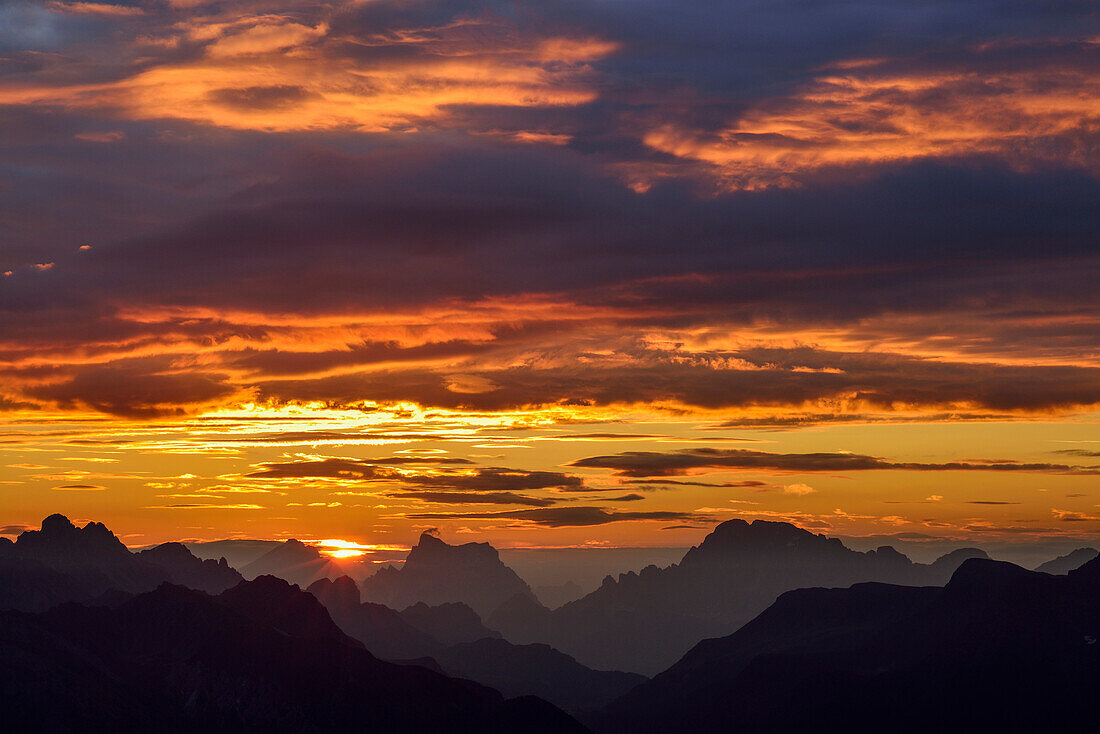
(867, 117)
(270, 73)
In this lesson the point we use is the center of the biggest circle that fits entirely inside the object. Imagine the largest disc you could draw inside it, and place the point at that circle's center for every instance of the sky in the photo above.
(589, 273)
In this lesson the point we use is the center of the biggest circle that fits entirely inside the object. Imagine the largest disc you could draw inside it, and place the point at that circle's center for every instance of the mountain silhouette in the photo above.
(382, 630)
(999, 648)
(283, 607)
(176, 660)
(536, 670)
(452, 623)
(62, 546)
(1064, 564)
(479, 654)
(295, 562)
(63, 563)
(182, 567)
(644, 622)
(436, 573)
(237, 552)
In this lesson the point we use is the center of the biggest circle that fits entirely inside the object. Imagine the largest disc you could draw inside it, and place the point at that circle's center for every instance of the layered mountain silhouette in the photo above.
(451, 638)
(384, 632)
(644, 622)
(438, 573)
(1064, 564)
(61, 563)
(999, 648)
(183, 568)
(539, 670)
(293, 561)
(237, 552)
(452, 623)
(261, 657)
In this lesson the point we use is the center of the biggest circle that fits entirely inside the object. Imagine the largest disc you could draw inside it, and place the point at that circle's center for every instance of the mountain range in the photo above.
(781, 627)
(451, 638)
(1069, 562)
(997, 649)
(644, 622)
(64, 563)
(260, 657)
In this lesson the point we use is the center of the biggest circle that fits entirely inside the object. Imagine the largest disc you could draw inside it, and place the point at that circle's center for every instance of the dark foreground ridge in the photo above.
(998, 649)
(261, 657)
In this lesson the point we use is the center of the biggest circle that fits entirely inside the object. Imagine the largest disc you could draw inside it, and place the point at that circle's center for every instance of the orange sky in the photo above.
(607, 276)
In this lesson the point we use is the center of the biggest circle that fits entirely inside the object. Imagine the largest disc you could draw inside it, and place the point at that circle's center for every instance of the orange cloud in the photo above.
(273, 74)
(873, 113)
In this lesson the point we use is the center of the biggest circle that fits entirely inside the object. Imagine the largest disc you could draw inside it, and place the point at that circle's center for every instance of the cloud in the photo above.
(493, 485)
(678, 463)
(798, 489)
(473, 498)
(201, 506)
(80, 488)
(556, 517)
(1072, 516)
(330, 198)
(752, 483)
(335, 468)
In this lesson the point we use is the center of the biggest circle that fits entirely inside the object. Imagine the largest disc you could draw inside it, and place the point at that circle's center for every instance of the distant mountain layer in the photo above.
(62, 563)
(238, 553)
(438, 573)
(998, 649)
(261, 657)
(293, 561)
(1064, 564)
(644, 622)
(452, 637)
(539, 670)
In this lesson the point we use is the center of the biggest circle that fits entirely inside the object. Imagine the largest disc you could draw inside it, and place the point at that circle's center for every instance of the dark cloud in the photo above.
(473, 498)
(334, 468)
(138, 390)
(753, 483)
(556, 517)
(278, 96)
(783, 422)
(496, 482)
(679, 463)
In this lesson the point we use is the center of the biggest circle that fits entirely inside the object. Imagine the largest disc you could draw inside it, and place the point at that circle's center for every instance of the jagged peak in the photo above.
(343, 589)
(431, 547)
(57, 523)
(268, 582)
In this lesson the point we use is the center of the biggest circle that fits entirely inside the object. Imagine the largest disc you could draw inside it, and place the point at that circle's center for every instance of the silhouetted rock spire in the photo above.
(436, 572)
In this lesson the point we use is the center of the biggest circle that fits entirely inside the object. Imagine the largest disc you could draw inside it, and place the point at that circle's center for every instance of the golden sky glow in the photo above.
(346, 271)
